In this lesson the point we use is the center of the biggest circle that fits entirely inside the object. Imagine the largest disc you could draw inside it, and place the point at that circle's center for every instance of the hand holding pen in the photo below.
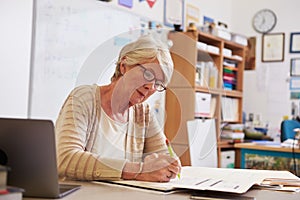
(159, 167)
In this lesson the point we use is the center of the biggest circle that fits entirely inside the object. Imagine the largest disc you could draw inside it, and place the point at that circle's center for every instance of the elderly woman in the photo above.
(108, 132)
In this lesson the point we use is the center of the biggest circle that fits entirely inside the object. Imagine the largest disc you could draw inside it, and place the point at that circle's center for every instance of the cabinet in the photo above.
(188, 55)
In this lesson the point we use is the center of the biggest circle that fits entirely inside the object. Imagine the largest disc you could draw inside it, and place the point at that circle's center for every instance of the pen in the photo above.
(171, 153)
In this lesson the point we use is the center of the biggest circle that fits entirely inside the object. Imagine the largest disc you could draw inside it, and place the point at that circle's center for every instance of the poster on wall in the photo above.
(295, 67)
(126, 3)
(295, 83)
(174, 13)
(273, 47)
(295, 95)
(295, 43)
(192, 14)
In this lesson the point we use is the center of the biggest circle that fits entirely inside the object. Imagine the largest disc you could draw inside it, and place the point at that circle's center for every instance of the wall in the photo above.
(222, 12)
(15, 49)
(15, 40)
(266, 89)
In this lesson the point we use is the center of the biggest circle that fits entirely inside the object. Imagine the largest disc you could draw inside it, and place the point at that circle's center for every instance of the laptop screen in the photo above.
(28, 148)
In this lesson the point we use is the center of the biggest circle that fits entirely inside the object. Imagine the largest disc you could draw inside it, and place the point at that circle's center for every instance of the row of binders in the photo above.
(230, 109)
(206, 74)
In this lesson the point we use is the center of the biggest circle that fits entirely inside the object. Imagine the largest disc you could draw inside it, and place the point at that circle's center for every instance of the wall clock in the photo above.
(264, 21)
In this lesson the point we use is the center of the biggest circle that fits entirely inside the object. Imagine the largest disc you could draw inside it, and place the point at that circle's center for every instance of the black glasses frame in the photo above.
(158, 85)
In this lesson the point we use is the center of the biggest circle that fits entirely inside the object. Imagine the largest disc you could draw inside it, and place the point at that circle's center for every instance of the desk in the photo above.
(251, 155)
(95, 191)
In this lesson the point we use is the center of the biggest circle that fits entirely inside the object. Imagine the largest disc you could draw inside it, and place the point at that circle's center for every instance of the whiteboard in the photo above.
(68, 38)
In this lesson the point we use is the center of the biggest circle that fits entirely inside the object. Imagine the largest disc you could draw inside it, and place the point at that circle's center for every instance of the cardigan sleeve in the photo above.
(155, 140)
(74, 128)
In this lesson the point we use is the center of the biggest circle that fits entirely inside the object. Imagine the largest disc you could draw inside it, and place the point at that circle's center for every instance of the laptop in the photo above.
(28, 147)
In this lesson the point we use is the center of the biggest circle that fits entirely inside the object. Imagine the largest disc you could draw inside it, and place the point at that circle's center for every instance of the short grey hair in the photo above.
(146, 48)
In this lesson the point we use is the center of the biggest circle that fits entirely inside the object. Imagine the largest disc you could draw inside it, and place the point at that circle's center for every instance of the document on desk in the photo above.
(214, 179)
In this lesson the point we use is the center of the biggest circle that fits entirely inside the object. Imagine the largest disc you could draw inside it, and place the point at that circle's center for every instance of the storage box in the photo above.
(213, 49)
(227, 159)
(227, 52)
(202, 104)
(240, 39)
(222, 33)
(201, 46)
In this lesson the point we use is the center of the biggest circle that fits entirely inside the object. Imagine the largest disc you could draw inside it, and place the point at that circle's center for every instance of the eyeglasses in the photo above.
(150, 76)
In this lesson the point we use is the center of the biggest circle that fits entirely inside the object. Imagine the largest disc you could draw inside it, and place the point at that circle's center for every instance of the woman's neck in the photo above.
(113, 102)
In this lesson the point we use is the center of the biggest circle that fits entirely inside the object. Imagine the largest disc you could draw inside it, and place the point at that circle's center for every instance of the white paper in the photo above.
(214, 179)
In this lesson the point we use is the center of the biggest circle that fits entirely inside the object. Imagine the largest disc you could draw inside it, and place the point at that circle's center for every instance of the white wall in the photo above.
(266, 90)
(15, 40)
(15, 48)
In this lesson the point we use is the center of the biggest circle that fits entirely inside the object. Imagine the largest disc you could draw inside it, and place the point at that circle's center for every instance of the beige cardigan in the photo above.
(78, 127)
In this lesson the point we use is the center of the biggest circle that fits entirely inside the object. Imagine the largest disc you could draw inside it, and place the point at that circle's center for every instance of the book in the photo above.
(3, 176)
(237, 181)
(11, 193)
(226, 134)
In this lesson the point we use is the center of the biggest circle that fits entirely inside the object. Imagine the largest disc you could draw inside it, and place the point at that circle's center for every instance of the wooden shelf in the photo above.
(208, 90)
(227, 93)
(232, 93)
(180, 99)
(233, 58)
(225, 144)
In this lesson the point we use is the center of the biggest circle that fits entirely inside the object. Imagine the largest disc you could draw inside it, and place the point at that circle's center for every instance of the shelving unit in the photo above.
(180, 96)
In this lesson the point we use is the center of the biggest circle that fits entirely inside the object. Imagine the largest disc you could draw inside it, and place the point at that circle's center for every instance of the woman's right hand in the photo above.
(159, 168)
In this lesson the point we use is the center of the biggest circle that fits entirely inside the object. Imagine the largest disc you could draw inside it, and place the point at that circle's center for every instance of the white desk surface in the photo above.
(95, 191)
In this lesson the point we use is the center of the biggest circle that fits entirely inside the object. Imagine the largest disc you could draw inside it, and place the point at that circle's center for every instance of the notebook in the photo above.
(27, 146)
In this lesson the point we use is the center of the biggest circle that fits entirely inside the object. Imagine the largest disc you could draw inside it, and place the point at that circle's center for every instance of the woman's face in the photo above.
(140, 81)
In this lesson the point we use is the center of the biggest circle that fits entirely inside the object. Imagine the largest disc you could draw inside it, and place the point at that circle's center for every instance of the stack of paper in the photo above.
(218, 179)
(233, 131)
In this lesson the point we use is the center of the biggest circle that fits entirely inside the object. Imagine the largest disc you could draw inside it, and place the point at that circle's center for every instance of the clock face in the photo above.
(264, 21)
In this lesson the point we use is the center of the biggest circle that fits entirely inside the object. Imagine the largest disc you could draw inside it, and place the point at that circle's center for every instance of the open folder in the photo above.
(214, 179)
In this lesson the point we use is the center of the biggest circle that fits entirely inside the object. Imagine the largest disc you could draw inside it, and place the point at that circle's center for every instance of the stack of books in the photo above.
(229, 74)
(233, 131)
(8, 192)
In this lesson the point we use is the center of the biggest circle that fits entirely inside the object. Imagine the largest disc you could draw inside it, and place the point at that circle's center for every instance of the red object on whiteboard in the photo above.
(151, 2)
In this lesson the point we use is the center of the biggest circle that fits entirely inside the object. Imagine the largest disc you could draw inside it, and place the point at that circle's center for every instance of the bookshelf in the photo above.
(191, 53)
